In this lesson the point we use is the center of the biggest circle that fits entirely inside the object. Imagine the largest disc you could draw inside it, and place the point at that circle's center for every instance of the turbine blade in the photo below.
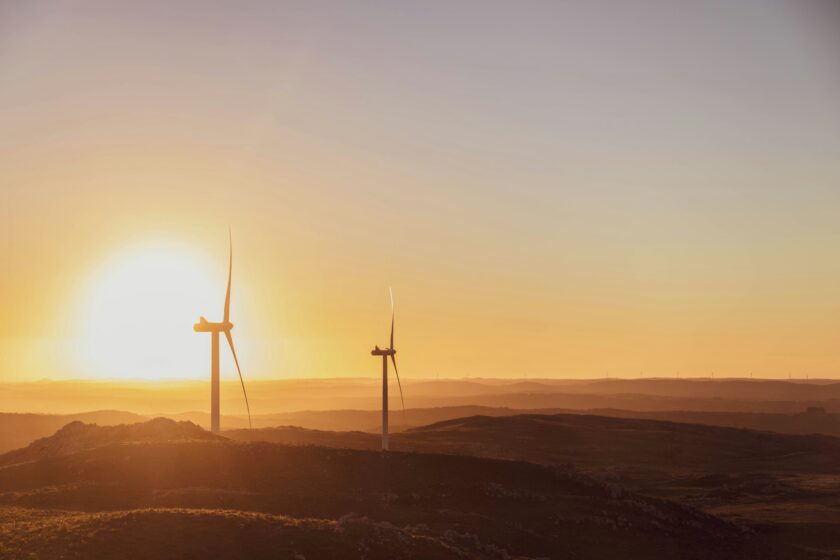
(392, 331)
(230, 274)
(239, 371)
(399, 383)
(391, 292)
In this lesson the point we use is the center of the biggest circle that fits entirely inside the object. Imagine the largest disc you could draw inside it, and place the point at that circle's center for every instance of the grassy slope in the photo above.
(591, 442)
(480, 505)
(179, 533)
(788, 481)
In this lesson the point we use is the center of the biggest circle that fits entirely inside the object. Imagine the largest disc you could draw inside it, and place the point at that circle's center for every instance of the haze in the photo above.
(552, 189)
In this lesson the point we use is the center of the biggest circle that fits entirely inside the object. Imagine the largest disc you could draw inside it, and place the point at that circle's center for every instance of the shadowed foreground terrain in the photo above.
(210, 533)
(790, 482)
(167, 490)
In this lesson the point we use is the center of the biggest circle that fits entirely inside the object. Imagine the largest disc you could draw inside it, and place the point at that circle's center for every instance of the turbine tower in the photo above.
(385, 352)
(214, 329)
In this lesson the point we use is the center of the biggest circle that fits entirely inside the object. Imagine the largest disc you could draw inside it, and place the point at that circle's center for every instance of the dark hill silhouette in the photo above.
(601, 441)
(591, 442)
(789, 481)
(178, 533)
(475, 507)
(78, 436)
(801, 422)
(369, 420)
(18, 430)
(816, 421)
(295, 435)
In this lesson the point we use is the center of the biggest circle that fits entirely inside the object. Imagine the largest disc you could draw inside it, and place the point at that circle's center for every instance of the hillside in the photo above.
(595, 441)
(78, 436)
(19, 429)
(478, 508)
(787, 481)
(591, 442)
(816, 421)
(293, 435)
(178, 533)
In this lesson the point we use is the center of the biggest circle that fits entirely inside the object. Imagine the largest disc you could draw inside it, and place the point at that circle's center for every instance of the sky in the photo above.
(552, 189)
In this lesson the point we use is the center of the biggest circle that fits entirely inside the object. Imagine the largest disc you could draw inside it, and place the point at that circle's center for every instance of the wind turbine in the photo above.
(385, 352)
(214, 329)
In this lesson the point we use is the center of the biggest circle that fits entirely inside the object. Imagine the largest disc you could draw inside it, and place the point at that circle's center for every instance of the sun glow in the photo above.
(140, 310)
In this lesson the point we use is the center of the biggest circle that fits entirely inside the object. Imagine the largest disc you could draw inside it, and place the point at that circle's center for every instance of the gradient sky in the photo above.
(552, 188)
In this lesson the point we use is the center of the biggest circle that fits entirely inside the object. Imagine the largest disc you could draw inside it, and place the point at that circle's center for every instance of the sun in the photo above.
(139, 313)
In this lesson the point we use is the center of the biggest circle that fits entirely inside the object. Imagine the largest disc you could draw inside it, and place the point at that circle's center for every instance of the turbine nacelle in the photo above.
(377, 351)
(204, 325)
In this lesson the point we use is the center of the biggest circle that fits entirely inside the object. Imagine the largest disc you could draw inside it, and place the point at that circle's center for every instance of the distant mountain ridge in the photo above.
(283, 396)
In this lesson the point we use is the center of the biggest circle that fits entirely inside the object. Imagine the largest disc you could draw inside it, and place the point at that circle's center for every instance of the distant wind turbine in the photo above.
(385, 352)
(214, 329)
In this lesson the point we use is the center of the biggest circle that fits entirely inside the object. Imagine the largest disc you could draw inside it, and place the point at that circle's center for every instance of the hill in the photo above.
(813, 421)
(294, 435)
(595, 441)
(788, 481)
(803, 421)
(78, 436)
(20, 429)
(592, 442)
(454, 506)
(177, 533)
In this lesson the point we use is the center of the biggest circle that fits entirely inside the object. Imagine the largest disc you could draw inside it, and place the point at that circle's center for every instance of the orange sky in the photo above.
(550, 191)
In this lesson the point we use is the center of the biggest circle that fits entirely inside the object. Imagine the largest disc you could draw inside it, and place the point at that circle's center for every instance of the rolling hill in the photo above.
(815, 421)
(165, 480)
(787, 481)
(591, 442)
(177, 533)
(596, 441)
(78, 436)
(20, 429)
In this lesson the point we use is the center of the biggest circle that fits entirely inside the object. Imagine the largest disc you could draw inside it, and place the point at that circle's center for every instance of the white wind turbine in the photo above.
(385, 353)
(215, 328)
